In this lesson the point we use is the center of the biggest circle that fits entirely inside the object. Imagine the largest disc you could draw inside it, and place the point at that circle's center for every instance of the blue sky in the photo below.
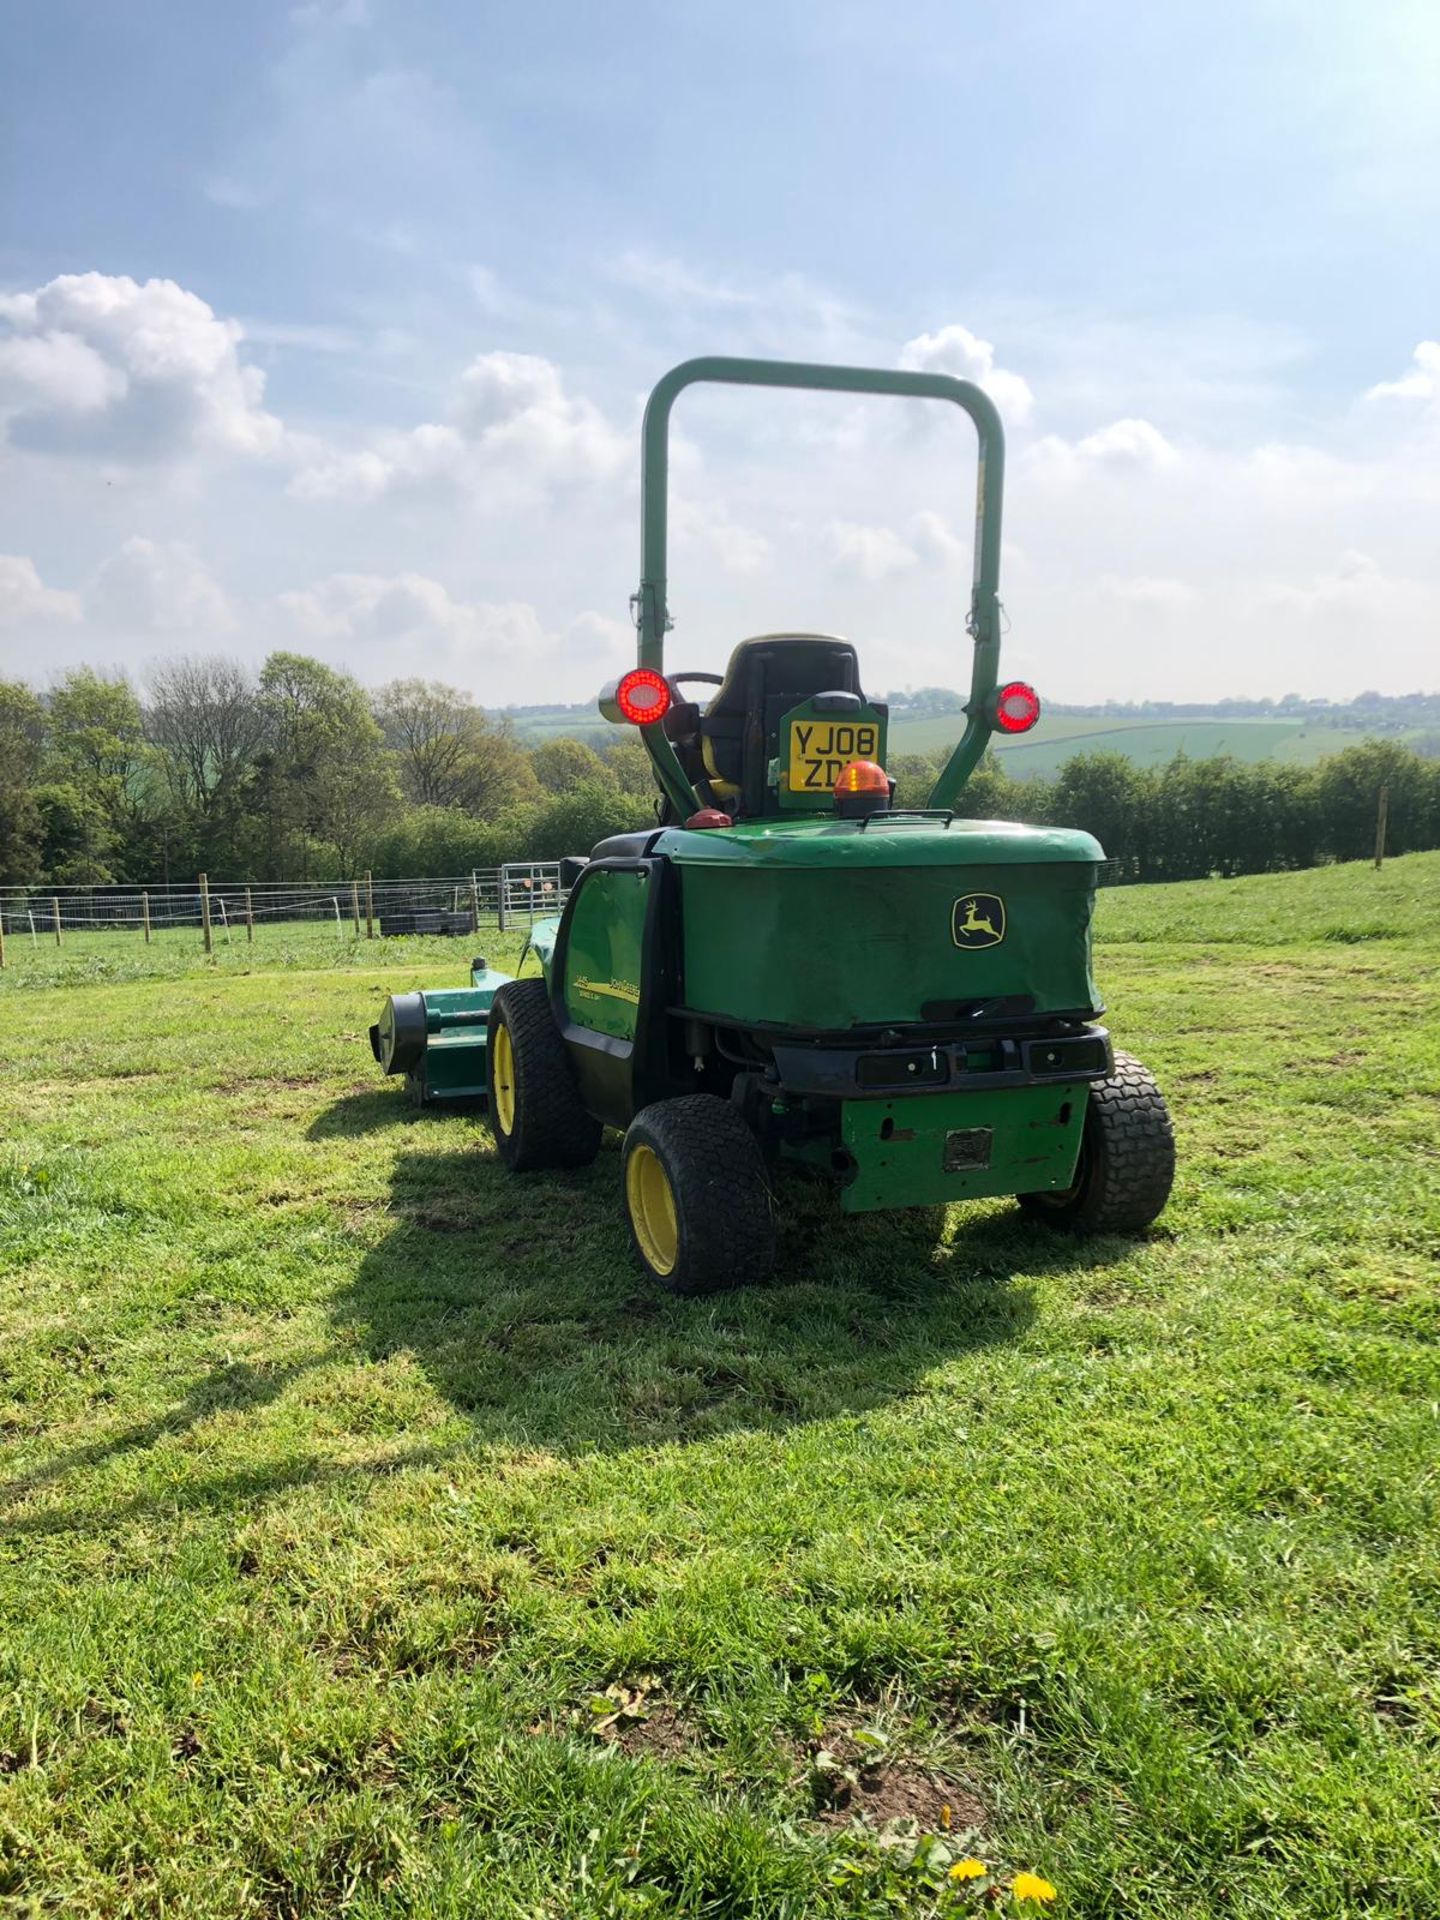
(328, 325)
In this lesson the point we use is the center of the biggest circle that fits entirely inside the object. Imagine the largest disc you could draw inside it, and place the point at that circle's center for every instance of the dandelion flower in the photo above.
(970, 1869)
(197, 1679)
(1030, 1886)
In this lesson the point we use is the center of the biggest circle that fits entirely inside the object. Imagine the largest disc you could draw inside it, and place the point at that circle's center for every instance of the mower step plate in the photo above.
(925, 1149)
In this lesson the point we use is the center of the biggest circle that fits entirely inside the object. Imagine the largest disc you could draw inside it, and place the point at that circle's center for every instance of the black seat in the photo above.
(738, 731)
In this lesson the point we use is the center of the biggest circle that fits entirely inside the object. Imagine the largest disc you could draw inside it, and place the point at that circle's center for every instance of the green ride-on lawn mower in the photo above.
(788, 969)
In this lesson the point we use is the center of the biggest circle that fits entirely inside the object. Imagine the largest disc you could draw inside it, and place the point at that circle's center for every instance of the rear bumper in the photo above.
(917, 1119)
(1044, 1054)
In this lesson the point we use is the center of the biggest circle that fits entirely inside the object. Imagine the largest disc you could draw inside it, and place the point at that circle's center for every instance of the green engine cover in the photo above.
(825, 926)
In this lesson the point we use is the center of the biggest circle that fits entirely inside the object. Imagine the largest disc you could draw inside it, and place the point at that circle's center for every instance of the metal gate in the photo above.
(528, 889)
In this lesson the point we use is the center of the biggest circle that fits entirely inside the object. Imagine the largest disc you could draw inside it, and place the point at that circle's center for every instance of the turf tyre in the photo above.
(1127, 1158)
(548, 1128)
(723, 1225)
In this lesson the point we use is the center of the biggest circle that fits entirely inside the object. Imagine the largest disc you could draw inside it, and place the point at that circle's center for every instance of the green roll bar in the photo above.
(652, 618)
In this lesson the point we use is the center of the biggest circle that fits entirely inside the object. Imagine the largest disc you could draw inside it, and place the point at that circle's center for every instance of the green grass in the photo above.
(343, 1475)
(1150, 743)
(117, 955)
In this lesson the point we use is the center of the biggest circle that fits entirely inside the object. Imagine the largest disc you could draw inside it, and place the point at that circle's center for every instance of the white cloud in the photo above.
(1125, 448)
(935, 539)
(873, 552)
(1420, 381)
(95, 362)
(378, 625)
(955, 350)
(55, 372)
(513, 426)
(25, 600)
(739, 549)
(1146, 590)
(159, 587)
(1356, 588)
(1128, 443)
(673, 281)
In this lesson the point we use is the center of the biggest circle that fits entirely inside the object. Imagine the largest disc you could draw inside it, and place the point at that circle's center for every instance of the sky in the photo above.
(329, 326)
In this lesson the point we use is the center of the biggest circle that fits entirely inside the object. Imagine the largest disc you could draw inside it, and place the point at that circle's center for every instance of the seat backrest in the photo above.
(766, 677)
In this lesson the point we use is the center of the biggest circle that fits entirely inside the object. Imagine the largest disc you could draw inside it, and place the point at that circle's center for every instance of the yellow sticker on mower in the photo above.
(820, 751)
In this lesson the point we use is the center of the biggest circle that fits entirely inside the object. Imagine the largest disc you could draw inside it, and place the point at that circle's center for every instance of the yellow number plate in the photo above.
(820, 751)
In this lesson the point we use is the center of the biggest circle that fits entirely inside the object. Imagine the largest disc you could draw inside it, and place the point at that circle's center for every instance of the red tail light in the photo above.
(643, 696)
(1017, 707)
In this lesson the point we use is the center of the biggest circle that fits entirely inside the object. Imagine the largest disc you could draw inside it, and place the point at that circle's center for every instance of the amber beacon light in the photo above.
(862, 776)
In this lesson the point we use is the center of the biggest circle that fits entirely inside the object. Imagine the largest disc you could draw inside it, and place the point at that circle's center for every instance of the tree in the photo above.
(95, 747)
(629, 761)
(207, 723)
(1108, 796)
(79, 837)
(573, 822)
(1349, 786)
(914, 776)
(324, 781)
(562, 765)
(449, 752)
(22, 733)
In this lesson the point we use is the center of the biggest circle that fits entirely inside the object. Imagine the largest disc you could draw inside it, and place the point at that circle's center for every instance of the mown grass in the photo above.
(343, 1476)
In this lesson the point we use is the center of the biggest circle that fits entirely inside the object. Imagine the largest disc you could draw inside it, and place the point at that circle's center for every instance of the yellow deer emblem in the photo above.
(978, 920)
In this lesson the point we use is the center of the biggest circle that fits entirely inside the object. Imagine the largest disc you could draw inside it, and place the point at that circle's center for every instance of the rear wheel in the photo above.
(1127, 1158)
(535, 1110)
(696, 1197)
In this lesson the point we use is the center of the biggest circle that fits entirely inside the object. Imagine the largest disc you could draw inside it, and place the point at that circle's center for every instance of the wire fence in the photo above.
(502, 897)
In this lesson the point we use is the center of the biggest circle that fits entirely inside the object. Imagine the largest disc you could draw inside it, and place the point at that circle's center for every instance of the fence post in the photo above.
(1382, 811)
(2, 936)
(474, 902)
(55, 915)
(205, 932)
(355, 905)
(145, 915)
(369, 906)
(249, 918)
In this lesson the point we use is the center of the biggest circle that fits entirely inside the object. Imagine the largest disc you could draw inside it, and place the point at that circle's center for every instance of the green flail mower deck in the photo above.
(439, 1039)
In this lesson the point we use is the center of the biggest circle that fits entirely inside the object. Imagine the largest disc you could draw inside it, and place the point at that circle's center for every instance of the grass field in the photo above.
(372, 1542)
(1058, 738)
(1149, 743)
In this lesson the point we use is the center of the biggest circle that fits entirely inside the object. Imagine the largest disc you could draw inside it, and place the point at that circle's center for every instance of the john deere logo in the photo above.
(978, 920)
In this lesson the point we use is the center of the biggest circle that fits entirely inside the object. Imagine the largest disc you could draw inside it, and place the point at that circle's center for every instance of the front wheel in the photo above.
(696, 1197)
(535, 1110)
(1127, 1158)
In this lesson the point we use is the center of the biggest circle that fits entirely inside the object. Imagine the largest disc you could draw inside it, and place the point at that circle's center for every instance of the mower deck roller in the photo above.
(787, 970)
(439, 1040)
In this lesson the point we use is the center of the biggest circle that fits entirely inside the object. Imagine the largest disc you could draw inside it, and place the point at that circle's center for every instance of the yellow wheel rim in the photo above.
(651, 1201)
(504, 1071)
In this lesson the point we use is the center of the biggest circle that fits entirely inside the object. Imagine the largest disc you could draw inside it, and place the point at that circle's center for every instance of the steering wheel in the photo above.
(673, 680)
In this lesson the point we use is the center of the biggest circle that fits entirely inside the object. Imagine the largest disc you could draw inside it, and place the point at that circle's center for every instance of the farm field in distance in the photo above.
(1057, 738)
(373, 1541)
(1150, 743)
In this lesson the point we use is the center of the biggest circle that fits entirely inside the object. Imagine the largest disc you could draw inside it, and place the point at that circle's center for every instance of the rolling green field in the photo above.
(374, 1542)
(1149, 743)
(1058, 738)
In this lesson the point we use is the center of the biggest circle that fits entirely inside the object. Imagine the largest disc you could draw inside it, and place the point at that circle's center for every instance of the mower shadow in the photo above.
(356, 1113)
(519, 1299)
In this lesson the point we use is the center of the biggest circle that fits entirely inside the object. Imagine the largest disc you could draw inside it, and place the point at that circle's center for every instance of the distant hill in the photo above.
(928, 719)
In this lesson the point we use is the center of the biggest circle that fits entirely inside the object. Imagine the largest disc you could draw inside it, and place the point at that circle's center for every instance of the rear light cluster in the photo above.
(1017, 707)
(643, 696)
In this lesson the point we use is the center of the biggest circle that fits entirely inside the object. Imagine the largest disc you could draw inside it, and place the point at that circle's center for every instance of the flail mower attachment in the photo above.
(439, 1039)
